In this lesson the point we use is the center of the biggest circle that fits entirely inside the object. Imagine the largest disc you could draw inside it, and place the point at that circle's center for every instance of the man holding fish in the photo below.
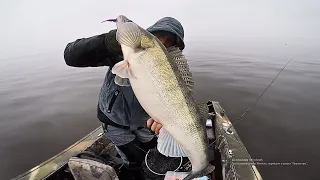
(149, 77)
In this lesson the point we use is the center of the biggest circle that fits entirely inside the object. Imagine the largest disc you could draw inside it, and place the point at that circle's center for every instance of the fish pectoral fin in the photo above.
(122, 81)
(168, 146)
(122, 69)
(129, 34)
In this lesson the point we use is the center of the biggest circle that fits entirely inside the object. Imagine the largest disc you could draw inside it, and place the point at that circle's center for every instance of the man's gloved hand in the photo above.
(112, 44)
(154, 125)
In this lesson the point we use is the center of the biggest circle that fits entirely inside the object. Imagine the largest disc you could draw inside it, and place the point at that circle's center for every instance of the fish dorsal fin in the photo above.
(168, 146)
(183, 67)
(204, 110)
(122, 69)
(121, 81)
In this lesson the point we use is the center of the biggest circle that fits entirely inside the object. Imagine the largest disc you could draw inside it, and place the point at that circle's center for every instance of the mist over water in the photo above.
(283, 126)
(46, 106)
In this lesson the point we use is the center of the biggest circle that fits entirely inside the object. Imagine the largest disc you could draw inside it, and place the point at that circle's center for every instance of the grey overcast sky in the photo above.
(39, 26)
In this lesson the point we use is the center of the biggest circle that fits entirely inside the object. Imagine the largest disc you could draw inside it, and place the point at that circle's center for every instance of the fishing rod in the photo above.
(252, 105)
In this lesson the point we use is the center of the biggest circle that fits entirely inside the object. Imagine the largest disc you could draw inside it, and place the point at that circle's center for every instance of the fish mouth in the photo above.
(115, 20)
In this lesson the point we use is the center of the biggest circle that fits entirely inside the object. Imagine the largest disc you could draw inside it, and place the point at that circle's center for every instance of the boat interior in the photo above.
(223, 139)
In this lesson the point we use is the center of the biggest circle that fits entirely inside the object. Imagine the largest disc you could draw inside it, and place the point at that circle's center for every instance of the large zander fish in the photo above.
(160, 87)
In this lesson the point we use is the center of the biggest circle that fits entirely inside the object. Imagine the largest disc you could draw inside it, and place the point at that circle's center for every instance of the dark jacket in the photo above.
(117, 105)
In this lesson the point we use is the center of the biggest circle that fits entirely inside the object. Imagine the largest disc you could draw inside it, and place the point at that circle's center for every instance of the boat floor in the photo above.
(104, 148)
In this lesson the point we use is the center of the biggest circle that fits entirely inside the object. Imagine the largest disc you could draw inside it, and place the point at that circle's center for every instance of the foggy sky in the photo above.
(38, 26)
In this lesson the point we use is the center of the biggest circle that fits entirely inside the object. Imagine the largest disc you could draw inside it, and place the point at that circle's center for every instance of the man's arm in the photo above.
(101, 50)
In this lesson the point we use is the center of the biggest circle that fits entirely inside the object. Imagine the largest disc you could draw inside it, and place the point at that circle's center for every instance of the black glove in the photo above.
(112, 44)
(133, 152)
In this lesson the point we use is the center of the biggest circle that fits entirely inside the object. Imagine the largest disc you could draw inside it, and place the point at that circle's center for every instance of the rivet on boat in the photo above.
(222, 112)
(230, 152)
(226, 124)
(229, 131)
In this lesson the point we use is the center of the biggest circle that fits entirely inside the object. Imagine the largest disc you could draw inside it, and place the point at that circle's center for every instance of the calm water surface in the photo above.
(45, 105)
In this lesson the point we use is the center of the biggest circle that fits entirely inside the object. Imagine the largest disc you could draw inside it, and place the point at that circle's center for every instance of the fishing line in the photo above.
(140, 149)
(252, 105)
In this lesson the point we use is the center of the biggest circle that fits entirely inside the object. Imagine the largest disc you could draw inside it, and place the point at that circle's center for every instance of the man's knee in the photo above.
(130, 144)
(119, 136)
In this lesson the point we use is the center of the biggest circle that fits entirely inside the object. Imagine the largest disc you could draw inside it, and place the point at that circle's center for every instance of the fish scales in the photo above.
(174, 94)
(159, 84)
(167, 80)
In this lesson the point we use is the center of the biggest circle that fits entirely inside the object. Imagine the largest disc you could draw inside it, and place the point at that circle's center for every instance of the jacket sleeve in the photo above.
(100, 50)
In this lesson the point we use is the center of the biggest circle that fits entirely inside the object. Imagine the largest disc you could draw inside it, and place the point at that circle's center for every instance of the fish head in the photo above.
(131, 36)
(119, 20)
(122, 19)
(135, 43)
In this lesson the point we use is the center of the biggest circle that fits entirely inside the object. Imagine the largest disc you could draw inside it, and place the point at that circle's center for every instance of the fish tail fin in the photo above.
(204, 172)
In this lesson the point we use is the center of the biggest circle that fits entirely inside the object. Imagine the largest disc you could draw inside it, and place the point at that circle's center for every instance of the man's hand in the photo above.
(154, 125)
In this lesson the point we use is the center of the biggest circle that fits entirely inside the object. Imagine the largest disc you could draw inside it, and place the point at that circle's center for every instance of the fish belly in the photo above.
(147, 94)
(165, 103)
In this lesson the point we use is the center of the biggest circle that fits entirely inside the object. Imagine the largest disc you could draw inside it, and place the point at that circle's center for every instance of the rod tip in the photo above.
(110, 20)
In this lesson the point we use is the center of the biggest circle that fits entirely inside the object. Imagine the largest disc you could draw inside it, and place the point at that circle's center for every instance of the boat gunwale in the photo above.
(229, 141)
(92, 136)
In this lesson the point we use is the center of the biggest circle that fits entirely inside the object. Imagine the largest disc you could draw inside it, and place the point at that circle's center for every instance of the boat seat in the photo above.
(90, 169)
